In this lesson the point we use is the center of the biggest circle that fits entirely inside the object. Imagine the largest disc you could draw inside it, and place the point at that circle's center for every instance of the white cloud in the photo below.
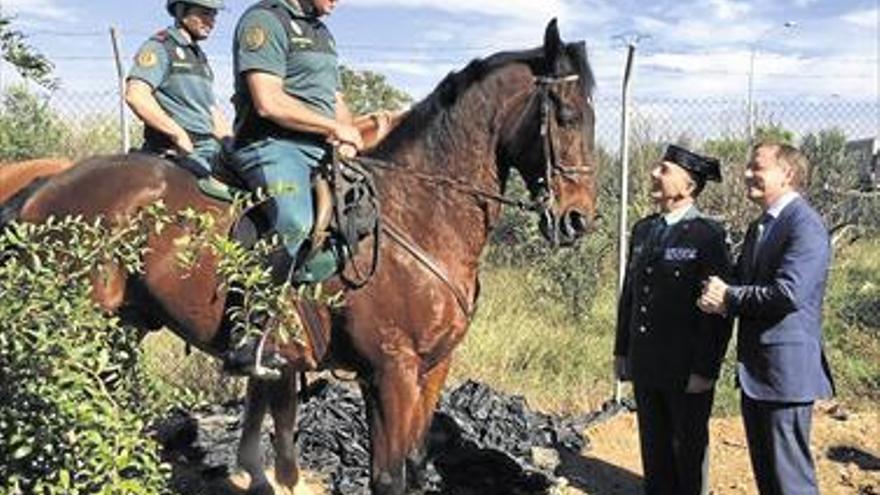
(42, 9)
(729, 10)
(804, 3)
(521, 9)
(868, 18)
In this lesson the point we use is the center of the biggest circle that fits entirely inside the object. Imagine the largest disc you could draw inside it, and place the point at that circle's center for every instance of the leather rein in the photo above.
(543, 204)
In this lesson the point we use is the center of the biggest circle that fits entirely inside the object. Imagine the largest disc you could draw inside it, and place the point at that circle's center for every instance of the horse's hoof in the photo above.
(239, 482)
(301, 488)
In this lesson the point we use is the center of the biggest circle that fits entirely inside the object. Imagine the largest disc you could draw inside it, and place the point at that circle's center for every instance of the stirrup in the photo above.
(260, 371)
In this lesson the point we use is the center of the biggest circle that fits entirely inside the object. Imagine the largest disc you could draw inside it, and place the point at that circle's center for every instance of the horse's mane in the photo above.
(428, 114)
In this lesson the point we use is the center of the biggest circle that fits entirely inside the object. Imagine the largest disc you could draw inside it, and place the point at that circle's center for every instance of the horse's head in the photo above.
(551, 143)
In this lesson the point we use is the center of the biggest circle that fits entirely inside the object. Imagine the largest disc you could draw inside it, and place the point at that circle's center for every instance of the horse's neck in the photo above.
(460, 145)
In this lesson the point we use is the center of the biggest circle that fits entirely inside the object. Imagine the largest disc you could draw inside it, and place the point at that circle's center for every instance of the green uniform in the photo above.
(285, 39)
(182, 82)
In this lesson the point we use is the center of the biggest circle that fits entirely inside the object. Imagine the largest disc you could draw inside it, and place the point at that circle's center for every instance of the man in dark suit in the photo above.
(669, 348)
(780, 284)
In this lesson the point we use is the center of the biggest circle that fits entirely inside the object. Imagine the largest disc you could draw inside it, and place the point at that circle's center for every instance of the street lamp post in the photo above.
(753, 50)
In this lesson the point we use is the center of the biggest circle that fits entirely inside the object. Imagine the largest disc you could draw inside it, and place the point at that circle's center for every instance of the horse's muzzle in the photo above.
(566, 229)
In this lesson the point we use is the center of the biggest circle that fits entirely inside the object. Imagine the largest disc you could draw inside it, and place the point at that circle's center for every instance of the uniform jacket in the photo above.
(660, 330)
(779, 303)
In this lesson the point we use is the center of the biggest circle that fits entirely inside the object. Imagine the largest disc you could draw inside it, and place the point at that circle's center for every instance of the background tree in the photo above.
(367, 91)
(29, 62)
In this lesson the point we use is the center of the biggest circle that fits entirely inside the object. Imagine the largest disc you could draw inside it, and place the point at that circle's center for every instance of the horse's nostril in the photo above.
(574, 223)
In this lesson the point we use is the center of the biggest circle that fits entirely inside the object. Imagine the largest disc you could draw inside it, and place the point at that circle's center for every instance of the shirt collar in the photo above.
(677, 215)
(178, 37)
(780, 204)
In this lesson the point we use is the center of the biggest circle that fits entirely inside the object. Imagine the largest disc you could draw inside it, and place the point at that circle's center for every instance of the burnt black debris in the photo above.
(480, 441)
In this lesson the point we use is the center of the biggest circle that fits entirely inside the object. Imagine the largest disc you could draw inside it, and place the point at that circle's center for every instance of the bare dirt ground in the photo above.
(846, 448)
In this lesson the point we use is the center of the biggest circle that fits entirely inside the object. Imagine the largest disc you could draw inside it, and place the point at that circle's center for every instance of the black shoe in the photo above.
(241, 361)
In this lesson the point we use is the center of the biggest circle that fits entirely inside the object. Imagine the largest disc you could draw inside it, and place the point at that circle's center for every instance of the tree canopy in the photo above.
(29, 62)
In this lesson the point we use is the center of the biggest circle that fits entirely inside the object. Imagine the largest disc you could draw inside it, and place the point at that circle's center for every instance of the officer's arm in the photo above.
(621, 340)
(139, 97)
(714, 330)
(343, 113)
(271, 102)
(221, 127)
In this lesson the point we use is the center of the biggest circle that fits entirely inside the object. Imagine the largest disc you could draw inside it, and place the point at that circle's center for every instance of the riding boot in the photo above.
(321, 266)
(242, 361)
(242, 358)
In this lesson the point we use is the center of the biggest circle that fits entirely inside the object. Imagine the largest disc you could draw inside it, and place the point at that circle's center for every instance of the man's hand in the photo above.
(347, 139)
(221, 127)
(712, 299)
(621, 370)
(183, 143)
(698, 384)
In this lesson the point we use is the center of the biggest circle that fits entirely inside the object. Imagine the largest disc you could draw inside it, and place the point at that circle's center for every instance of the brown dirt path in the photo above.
(846, 448)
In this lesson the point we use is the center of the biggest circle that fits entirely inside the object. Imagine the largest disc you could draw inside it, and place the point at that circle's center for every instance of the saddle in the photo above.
(346, 211)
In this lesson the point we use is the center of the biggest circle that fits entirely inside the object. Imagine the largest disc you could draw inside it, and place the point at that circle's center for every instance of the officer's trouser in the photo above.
(205, 153)
(283, 169)
(674, 438)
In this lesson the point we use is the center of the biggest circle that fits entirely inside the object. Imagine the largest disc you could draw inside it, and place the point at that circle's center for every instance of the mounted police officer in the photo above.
(671, 350)
(289, 116)
(170, 87)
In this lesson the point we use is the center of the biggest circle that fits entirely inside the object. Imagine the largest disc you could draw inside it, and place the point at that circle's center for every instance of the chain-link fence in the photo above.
(839, 136)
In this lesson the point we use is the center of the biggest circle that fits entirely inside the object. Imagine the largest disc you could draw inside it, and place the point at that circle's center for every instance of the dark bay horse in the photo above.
(441, 177)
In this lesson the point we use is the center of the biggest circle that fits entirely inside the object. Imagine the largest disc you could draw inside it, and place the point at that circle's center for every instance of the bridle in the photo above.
(552, 167)
(545, 198)
(542, 203)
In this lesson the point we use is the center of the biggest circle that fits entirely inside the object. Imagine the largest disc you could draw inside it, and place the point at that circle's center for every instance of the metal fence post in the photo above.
(120, 74)
(624, 183)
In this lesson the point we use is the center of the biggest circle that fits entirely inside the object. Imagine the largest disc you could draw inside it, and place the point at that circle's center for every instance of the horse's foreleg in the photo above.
(431, 388)
(284, 405)
(249, 458)
(392, 401)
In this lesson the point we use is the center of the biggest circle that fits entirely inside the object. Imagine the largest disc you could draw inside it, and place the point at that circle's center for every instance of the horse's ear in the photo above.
(552, 44)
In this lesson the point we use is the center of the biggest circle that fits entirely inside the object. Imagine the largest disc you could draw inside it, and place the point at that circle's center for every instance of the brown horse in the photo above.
(441, 177)
(14, 176)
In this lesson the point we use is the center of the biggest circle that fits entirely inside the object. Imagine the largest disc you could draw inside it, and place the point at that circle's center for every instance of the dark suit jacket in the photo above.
(779, 303)
(660, 330)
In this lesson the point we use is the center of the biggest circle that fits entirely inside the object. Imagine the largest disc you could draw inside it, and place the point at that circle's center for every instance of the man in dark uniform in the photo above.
(170, 87)
(671, 350)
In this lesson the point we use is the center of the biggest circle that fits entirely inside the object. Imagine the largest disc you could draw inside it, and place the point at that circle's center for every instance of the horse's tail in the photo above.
(11, 209)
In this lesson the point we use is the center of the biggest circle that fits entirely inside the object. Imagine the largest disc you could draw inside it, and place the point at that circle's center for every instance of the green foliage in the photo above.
(76, 396)
(28, 126)
(30, 63)
(367, 91)
(74, 400)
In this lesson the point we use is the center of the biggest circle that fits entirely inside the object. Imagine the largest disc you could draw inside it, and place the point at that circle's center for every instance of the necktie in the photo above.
(763, 226)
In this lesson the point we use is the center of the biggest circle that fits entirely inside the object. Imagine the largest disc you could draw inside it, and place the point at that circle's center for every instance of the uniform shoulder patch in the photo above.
(255, 37)
(147, 58)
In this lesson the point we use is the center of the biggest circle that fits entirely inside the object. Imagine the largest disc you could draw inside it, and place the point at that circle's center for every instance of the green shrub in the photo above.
(29, 128)
(74, 401)
(75, 397)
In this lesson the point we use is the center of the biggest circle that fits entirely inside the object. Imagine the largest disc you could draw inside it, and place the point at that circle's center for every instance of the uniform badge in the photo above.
(180, 53)
(254, 38)
(680, 254)
(147, 58)
(296, 29)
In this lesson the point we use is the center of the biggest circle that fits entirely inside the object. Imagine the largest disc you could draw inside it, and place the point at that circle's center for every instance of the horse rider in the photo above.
(290, 114)
(170, 87)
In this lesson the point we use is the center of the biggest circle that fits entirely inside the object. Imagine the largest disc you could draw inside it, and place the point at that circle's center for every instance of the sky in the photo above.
(803, 49)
